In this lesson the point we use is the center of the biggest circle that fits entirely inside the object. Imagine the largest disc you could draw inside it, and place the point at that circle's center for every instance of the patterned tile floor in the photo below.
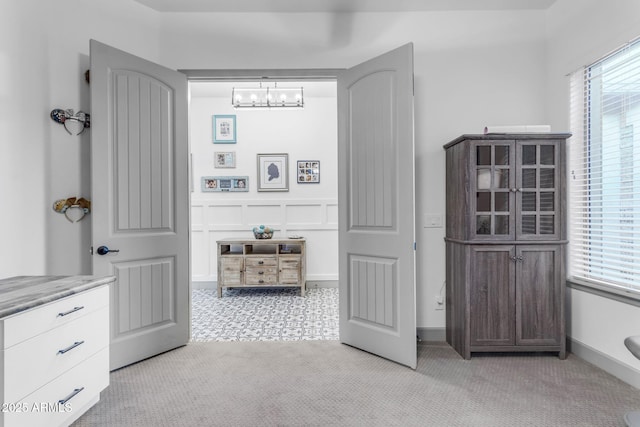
(264, 315)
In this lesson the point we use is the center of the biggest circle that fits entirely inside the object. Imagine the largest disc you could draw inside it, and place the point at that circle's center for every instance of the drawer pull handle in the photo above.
(260, 262)
(260, 272)
(71, 347)
(70, 396)
(260, 281)
(73, 310)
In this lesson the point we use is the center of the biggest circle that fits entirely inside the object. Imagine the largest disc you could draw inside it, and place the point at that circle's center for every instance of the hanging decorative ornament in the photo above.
(63, 206)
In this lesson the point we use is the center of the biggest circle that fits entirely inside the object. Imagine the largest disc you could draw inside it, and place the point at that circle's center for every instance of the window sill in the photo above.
(626, 296)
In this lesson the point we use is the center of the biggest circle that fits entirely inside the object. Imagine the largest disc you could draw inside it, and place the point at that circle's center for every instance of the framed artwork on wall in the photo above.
(224, 159)
(225, 183)
(273, 172)
(224, 129)
(308, 171)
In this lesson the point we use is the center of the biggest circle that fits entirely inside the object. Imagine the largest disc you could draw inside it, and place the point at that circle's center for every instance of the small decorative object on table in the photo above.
(263, 232)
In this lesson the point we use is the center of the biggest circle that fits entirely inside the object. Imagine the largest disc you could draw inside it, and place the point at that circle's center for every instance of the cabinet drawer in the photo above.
(25, 325)
(42, 408)
(38, 360)
(261, 277)
(261, 261)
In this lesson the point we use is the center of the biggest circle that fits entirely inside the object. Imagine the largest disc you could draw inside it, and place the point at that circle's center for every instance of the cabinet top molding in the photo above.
(507, 136)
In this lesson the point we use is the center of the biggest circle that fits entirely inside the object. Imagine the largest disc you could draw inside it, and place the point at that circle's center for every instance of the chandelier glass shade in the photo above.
(267, 97)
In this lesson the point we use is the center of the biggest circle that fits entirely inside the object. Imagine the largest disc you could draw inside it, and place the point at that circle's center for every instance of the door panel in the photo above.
(376, 202)
(492, 296)
(539, 300)
(140, 201)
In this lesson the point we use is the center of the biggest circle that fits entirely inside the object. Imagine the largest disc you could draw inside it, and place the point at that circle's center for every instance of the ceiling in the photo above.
(340, 5)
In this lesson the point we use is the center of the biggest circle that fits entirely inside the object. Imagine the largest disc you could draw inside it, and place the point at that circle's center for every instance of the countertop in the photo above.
(24, 292)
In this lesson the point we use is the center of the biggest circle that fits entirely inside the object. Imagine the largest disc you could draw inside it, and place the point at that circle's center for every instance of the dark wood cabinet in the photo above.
(506, 242)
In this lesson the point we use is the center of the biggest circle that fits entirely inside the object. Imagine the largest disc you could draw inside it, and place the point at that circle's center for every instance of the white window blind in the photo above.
(604, 171)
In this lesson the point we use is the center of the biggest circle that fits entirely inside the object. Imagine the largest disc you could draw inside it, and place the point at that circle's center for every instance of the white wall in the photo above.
(43, 57)
(577, 39)
(308, 210)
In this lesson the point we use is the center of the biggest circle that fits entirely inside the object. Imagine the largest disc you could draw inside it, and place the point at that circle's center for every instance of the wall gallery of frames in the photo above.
(269, 167)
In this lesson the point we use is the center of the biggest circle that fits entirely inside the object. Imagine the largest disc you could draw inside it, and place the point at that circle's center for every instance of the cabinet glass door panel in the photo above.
(501, 202)
(502, 155)
(501, 178)
(483, 225)
(536, 191)
(547, 224)
(547, 178)
(483, 179)
(483, 202)
(547, 155)
(502, 224)
(529, 178)
(494, 180)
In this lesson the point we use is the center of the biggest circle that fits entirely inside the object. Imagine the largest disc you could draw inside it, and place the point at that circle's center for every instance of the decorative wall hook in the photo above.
(65, 116)
(64, 205)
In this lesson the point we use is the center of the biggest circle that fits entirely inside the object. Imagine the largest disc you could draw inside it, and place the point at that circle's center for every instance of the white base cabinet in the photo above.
(55, 360)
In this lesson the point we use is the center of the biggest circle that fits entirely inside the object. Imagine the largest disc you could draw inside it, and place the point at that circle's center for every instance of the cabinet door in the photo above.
(538, 186)
(232, 267)
(289, 271)
(492, 185)
(540, 295)
(492, 296)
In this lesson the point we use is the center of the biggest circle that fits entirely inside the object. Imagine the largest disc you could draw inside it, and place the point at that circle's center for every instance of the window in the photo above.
(604, 172)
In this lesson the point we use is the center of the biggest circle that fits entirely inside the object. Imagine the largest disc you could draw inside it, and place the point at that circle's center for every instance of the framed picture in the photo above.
(308, 171)
(225, 183)
(273, 173)
(224, 129)
(226, 159)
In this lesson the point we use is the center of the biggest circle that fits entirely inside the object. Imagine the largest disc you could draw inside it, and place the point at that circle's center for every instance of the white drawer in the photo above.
(42, 408)
(30, 323)
(36, 361)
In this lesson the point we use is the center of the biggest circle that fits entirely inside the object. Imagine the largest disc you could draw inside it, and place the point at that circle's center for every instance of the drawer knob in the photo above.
(73, 310)
(260, 281)
(70, 396)
(260, 262)
(71, 347)
(260, 272)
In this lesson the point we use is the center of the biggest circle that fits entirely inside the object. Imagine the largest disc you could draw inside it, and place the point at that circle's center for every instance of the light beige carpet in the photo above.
(324, 383)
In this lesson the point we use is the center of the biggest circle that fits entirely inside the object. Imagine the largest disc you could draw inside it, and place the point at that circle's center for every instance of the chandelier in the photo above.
(267, 97)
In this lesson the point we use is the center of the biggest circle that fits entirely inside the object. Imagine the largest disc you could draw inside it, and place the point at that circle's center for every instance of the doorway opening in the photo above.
(308, 208)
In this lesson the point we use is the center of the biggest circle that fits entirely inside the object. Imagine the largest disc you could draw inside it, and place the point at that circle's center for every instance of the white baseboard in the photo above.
(605, 362)
(432, 334)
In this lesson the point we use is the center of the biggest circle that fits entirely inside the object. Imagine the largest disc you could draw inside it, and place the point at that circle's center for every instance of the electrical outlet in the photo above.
(439, 302)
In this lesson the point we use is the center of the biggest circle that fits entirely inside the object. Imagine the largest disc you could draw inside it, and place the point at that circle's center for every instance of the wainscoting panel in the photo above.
(314, 219)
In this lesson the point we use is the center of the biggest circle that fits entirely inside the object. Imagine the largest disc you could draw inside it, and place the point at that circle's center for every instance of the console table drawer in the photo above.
(261, 262)
(261, 278)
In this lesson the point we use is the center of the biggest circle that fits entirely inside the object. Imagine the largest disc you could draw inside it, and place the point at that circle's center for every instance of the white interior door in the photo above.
(139, 161)
(376, 205)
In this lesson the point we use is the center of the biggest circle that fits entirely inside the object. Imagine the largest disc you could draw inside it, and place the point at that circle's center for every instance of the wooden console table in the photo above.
(247, 263)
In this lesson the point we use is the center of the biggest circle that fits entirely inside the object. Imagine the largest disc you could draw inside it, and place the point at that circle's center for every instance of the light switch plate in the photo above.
(433, 221)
